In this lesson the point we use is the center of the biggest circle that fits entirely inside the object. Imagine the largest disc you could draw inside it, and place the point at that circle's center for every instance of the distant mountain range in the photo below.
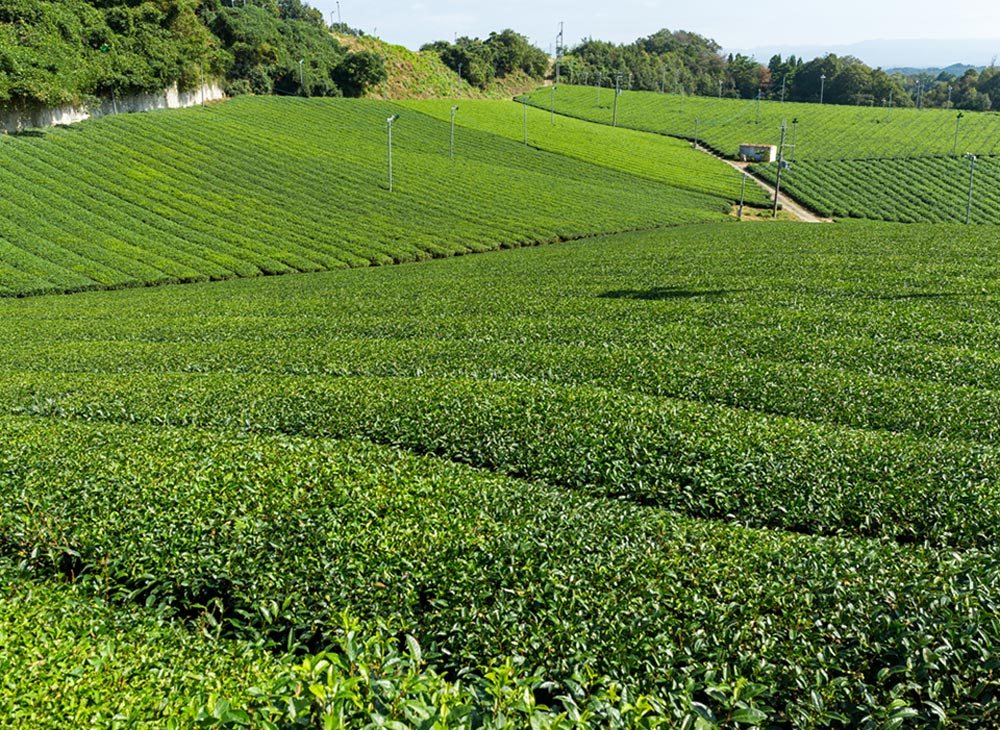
(894, 54)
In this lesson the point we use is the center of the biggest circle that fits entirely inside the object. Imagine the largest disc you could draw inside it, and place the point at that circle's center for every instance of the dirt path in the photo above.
(807, 216)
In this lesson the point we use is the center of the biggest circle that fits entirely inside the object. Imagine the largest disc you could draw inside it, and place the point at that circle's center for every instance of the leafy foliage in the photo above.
(502, 54)
(175, 453)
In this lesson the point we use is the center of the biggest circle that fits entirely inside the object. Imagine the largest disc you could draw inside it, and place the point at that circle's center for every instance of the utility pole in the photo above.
(598, 90)
(743, 189)
(389, 121)
(888, 110)
(552, 105)
(524, 103)
(758, 105)
(618, 92)
(559, 45)
(695, 145)
(783, 78)
(338, 13)
(781, 163)
(720, 88)
(954, 149)
(302, 88)
(822, 86)
(451, 150)
(972, 170)
(795, 124)
(203, 84)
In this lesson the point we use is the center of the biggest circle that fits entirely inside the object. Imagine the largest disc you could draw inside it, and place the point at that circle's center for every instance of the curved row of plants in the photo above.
(269, 186)
(263, 537)
(918, 190)
(818, 131)
(653, 157)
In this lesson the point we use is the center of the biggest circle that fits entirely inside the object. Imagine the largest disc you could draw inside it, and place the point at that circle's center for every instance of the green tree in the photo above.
(358, 72)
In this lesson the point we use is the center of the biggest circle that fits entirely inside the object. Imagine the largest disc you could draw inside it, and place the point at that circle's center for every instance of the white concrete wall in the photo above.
(19, 118)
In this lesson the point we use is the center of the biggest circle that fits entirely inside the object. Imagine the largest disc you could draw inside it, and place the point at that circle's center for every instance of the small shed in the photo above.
(758, 152)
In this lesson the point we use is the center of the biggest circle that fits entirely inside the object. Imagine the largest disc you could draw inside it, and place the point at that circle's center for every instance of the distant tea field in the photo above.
(710, 475)
(880, 163)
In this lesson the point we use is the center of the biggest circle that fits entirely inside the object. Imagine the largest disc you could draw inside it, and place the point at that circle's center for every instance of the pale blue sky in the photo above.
(733, 24)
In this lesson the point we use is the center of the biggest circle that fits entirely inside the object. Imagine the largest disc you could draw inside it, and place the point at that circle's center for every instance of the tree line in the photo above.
(73, 51)
(685, 62)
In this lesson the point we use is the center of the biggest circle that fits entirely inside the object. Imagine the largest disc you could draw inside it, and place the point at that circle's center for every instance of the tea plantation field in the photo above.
(708, 475)
(886, 164)
(918, 190)
(640, 153)
(270, 186)
(822, 131)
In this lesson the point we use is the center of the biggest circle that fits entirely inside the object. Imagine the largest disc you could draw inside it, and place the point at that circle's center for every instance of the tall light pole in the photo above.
(552, 105)
(302, 87)
(954, 148)
(783, 78)
(338, 13)
(451, 150)
(598, 89)
(822, 86)
(524, 103)
(781, 163)
(948, 105)
(972, 170)
(618, 92)
(559, 43)
(795, 125)
(720, 88)
(389, 121)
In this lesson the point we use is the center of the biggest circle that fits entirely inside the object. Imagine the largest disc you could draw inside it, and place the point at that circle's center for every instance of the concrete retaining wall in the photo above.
(19, 118)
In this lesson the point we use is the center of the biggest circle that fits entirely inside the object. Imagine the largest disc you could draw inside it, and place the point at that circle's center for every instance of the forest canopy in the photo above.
(74, 50)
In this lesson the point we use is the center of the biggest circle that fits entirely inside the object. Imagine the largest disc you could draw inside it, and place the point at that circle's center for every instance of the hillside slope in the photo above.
(271, 185)
(423, 75)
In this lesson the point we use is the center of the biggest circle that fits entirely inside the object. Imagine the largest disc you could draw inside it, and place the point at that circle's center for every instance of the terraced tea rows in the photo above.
(822, 132)
(648, 156)
(923, 190)
(269, 186)
(827, 395)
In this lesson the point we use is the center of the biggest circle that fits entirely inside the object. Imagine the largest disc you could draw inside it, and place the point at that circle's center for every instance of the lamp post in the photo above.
(783, 78)
(822, 86)
(972, 170)
(781, 163)
(552, 105)
(954, 148)
(302, 87)
(795, 124)
(524, 103)
(618, 92)
(389, 121)
(451, 150)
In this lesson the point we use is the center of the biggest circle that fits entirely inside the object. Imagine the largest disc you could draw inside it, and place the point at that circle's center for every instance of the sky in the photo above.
(735, 25)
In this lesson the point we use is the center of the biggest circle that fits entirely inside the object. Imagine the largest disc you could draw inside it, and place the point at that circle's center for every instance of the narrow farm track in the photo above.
(803, 214)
